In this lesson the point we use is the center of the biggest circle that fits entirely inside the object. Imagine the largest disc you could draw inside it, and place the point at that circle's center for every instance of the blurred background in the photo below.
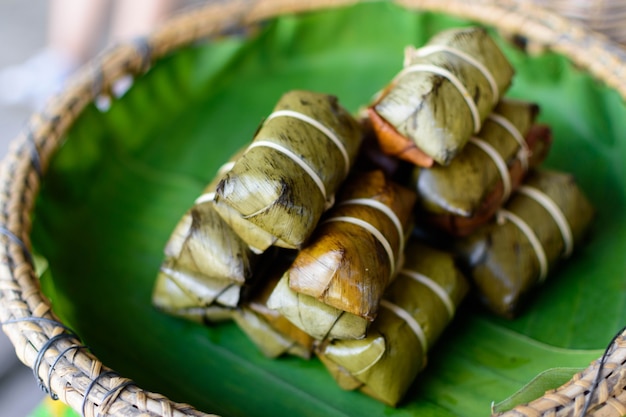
(22, 33)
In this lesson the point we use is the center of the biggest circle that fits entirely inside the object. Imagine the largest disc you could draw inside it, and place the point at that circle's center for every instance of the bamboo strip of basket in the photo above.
(66, 369)
(605, 16)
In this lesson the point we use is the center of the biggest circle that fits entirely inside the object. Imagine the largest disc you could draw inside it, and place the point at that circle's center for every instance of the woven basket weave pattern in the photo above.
(605, 16)
(70, 372)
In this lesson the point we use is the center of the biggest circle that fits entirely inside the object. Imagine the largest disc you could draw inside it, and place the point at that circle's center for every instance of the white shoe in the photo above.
(37, 79)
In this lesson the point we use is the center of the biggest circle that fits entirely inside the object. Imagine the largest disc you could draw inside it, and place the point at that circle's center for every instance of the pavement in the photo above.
(22, 33)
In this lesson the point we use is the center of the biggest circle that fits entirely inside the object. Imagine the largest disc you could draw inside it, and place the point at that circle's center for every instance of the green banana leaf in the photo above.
(537, 387)
(123, 179)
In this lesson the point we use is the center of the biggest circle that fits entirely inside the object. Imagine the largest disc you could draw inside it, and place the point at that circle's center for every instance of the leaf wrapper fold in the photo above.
(501, 257)
(280, 187)
(317, 319)
(385, 363)
(272, 333)
(352, 257)
(423, 115)
(207, 267)
(465, 194)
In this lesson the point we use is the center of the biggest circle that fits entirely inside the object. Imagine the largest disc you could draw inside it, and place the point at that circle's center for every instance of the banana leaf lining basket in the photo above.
(66, 369)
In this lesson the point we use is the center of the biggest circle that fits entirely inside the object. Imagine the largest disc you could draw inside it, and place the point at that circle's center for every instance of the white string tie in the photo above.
(556, 213)
(319, 126)
(374, 231)
(434, 287)
(209, 197)
(298, 160)
(370, 202)
(432, 49)
(454, 80)
(524, 152)
(226, 168)
(532, 238)
(205, 198)
(409, 319)
(500, 165)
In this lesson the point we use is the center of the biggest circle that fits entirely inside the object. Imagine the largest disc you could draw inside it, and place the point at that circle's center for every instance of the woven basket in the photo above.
(605, 16)
(77, 377)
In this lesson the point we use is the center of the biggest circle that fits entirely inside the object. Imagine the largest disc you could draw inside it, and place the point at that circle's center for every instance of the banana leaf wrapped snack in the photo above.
(417, 307)
(334, 286)
(539, 225)
(465, 194)
(207, 267)
(287, 178)
(441, 97)
(272, 333)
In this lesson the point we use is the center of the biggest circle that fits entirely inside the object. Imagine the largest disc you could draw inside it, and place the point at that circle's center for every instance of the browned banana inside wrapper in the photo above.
(206, 265)
(272, 333)
(439, 100)
(460, 197)
(287, 178)
(335, 284)
(371, 157)
(417, 307)
(539, 225)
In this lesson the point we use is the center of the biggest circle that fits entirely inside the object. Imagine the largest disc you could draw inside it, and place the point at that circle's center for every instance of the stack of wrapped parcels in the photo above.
(306, 238)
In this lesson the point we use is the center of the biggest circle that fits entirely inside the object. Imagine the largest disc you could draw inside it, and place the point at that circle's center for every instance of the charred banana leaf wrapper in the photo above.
(417, 307)
(336, 282)
(441, 97)
(465, 194)
(278, 190)
(206, 268)
(272, 333)
(539, 225)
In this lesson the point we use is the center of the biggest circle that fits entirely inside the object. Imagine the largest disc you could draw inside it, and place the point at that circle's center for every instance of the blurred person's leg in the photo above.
(73, 27)
(73, 30)
(131, 19)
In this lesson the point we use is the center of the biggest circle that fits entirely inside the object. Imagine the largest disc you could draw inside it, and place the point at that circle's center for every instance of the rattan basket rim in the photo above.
(68, 371)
